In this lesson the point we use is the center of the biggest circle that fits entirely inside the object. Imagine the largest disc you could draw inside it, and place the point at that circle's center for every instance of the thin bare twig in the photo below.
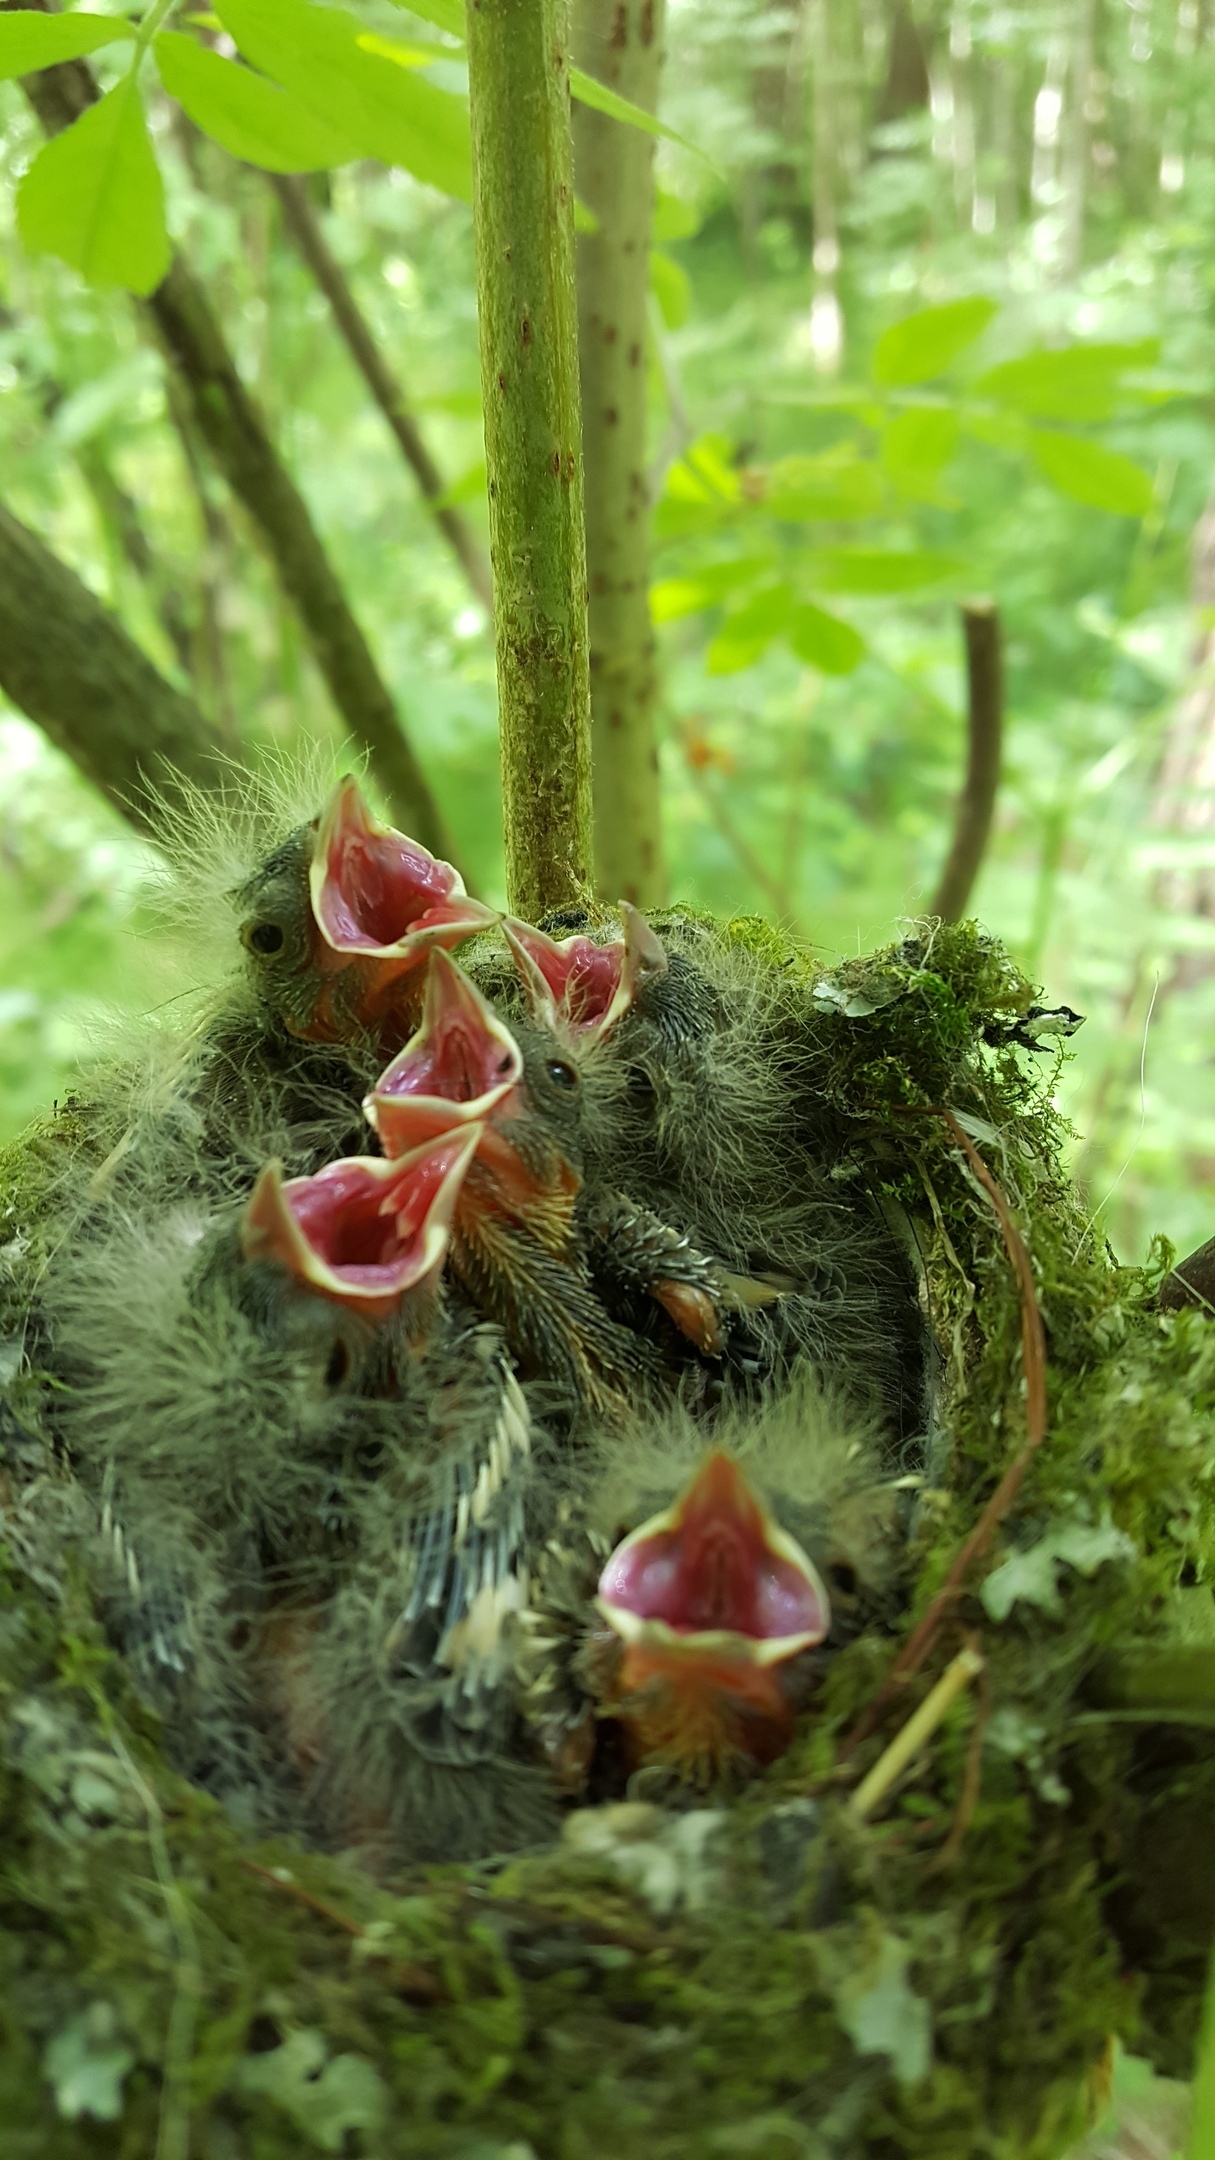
(985, 727)
(305, 228)
(912, 1736)
(411, 1980)
(1033, 1357)
(972, 1781)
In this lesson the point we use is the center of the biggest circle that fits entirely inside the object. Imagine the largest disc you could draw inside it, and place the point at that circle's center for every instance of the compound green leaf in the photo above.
(93, 196)
(838, 484)
(704, 588)
(1081, 383)
(1089, 473)
(746, 633)
(823, 641)
(444, 14)
(915, 447)
(29, 40)
(925, 344)
(383, 110)
(882, 570)
(245, 112)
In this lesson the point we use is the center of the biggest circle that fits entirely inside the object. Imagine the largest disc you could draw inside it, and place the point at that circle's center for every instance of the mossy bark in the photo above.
(523, 215)
(67, 662)
(620, 43)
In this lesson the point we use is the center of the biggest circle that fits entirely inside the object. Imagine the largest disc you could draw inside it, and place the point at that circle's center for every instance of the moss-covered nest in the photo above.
(775, 1976)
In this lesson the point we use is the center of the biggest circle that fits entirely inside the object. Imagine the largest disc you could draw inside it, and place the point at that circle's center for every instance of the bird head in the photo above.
(364, 1231)
(701, 1610)
(340, 917)
(581, 989)
(465, 1066)
(681, 1603)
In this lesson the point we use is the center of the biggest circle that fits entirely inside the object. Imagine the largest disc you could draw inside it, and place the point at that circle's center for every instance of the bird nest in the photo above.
(984, 1858)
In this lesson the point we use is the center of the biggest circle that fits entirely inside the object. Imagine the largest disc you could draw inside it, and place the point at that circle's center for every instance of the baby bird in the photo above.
(580, 987)
(708, 1187)
(400, 1704)
(340, 917)
(229, 1387)
(698, 1583)
(516, 1248)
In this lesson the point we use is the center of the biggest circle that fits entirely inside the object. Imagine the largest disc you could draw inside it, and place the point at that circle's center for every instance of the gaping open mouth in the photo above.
(578, 986)
(459, 1067)
(376, 892)
(365, 1230)
(714, 1576)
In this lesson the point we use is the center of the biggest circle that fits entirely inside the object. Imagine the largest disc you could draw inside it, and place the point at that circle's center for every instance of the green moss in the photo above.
(792, 1983)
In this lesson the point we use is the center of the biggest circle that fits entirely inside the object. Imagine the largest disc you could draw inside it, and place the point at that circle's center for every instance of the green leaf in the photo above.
(915, 447)
(882, 570)
(674, 219)
(1091, 474)
(746, 634)
(823, 641)
(924, 344)
(246, 113)
(85, 2065)
(597, 95)
(384, 111)
(93, 196)
(29, 40)
(670, 287)
(1082, 383)
(444, 14)
(705, 588)
(1031, 1574)
(837, 484)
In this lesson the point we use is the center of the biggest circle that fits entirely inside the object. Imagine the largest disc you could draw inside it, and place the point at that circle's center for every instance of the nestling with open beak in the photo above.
(341, 916)
(232, 1386)
(515, 1244)
(707, 1168)
(698, 1584)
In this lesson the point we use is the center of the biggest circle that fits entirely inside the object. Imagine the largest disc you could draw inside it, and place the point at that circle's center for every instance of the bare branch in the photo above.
(985, 728)
(67, 662)
(305, 228)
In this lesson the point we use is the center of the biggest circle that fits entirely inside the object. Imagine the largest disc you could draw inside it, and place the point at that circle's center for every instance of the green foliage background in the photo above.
(813, 730)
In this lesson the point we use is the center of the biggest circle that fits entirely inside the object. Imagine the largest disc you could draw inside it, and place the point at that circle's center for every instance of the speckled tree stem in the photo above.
(620, 42)
(523, 215)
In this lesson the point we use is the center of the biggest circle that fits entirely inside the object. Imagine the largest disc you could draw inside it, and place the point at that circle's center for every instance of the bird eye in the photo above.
(561, 1074)
(844, 1578)
(264, 937)
(339, 1365)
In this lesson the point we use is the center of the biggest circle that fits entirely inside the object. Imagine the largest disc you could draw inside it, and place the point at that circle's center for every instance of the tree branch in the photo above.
(231, 424)
(985, 725)
(67, 662)
(523, 223)
(305, 228)
(620, 43)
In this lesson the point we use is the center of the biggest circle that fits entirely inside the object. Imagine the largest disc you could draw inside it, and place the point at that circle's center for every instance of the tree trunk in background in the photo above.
(1184, 798)
(620, 43)
(67, 662)
(826, 322)
(906, 88)
(231, 424)
(523, 223)
(1076, 137)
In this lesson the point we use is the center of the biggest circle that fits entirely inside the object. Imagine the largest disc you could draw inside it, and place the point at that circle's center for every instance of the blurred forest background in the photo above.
(1044, 175)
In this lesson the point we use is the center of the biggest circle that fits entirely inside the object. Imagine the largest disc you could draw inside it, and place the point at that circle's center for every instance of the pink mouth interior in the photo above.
(378, 887)
(458, 1061)
(362, 1228)
(584, 975)
(714, 1570)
